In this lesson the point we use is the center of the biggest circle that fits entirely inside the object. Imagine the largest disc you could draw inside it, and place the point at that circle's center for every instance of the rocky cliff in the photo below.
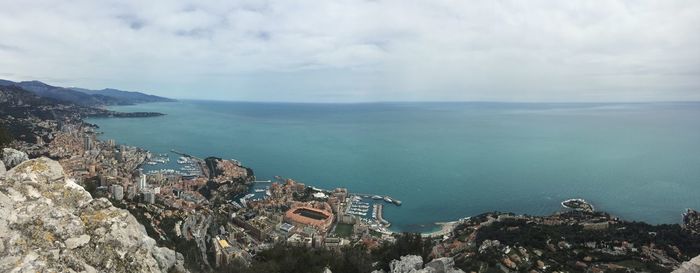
(692, 266)
(50, 224)
(414, 264)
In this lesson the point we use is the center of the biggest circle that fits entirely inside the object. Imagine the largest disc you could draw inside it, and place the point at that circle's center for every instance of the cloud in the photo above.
(362, 50)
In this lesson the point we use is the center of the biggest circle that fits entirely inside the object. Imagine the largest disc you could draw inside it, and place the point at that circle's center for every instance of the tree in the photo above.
(5, 137)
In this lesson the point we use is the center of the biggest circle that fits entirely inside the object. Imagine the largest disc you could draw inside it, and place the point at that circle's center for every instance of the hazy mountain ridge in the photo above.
(130, 96)
(23, 113)
(85, 97)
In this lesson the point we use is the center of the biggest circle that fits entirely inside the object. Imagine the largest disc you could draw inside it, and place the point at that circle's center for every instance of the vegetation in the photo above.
(676, 242)
(282, 258)
(343, 230)
(406, 244)
(5, 137)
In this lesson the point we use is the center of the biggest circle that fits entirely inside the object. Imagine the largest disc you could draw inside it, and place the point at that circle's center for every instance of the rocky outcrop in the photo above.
(692, 266)
(50, 224)
(409, 263)
(443, 265)
(12, 157)
(414, 264)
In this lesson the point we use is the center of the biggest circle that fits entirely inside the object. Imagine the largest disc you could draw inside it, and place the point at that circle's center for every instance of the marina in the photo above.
(186, 166)
(385, 198)
(360, 205)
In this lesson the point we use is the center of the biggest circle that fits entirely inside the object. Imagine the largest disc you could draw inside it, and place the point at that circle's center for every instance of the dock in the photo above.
(380, 211)
(386, 198)
(184, 154)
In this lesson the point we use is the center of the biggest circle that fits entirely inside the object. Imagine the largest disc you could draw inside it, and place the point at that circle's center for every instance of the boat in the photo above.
(397, 202)
(376, 197)
(259, 190)
(388, 200)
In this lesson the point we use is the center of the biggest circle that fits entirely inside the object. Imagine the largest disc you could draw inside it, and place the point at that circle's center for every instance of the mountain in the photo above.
(130, 96)
(23, 113)
(85, 97)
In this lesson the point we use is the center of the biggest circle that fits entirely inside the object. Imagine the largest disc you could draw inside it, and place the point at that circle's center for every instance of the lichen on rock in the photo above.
(12, 157)
(50, 224)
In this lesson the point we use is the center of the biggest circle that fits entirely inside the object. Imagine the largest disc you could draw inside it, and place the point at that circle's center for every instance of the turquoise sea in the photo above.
(450, 160)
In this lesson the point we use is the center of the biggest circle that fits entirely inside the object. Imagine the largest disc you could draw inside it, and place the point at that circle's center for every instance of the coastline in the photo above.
(445, 229)
(400, 219)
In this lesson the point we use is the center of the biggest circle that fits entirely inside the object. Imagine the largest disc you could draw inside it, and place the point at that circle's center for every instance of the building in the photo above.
(142, 182)
(310, 216)
(131, 192)
(287, 228)
(149, 197)
(87, 143)
(117, 192)
(222, 251)
(334, 243)
(299, 240)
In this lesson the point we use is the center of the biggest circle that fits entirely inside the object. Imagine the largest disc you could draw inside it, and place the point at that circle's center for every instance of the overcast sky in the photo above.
(350, 51)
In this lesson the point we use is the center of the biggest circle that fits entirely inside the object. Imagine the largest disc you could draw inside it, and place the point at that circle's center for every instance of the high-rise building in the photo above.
(117, 192)
(87, 143)
(142, 182)
(149, 197)
(131, 192)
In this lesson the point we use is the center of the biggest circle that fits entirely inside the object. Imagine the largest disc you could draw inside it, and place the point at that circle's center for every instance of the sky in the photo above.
(355, 51)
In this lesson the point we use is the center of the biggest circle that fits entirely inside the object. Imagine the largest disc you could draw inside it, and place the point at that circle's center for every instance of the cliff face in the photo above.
(692, 266)
(48, 223)
(414, 264)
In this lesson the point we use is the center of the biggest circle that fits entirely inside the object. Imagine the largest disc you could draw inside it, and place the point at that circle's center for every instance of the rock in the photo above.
(76, 242)
(692, 266)
(443, 265)
(48, 223)
(12, 157)
(410, 263)
(414, 264)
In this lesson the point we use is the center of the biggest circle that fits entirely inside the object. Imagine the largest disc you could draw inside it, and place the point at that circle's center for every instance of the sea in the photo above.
(445, 161)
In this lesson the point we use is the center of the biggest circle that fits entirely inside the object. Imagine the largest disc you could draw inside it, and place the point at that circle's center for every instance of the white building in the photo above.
(142, 182)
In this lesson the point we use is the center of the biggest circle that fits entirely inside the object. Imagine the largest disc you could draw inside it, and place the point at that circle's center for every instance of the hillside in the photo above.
(24, 114)
(83, 96)
(126, 96)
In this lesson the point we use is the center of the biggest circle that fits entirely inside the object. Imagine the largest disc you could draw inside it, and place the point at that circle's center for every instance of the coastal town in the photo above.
(218, 195)
(216, 213)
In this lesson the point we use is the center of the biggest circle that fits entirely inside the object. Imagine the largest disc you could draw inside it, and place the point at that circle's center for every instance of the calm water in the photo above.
(450, 160)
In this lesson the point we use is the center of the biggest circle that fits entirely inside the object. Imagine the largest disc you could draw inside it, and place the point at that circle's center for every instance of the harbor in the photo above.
(385, 198)
(185, 165)
(364, 207)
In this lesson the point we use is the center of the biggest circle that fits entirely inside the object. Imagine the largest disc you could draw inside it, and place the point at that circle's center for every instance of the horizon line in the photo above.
(438, 101)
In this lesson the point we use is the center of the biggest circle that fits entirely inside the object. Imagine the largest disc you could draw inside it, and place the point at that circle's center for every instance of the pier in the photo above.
(379, 211)
(386, 198)
(184, 154)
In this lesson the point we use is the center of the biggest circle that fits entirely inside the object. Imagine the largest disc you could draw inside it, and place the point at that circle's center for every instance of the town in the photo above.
(213, 194)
